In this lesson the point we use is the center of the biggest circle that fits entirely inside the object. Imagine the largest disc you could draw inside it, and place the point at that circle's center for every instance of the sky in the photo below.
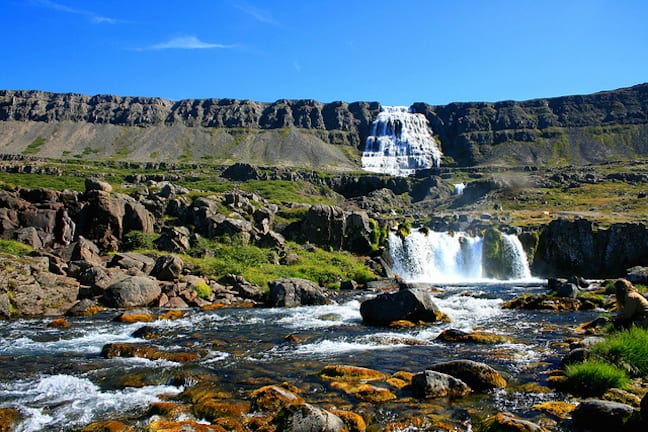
(393, 52)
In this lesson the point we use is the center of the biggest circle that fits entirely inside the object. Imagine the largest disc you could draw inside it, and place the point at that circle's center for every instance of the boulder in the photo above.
(637, 275)
(408, 304)
(432, 384)
(307, 418)
(568, 290)
(96, 184)
(175, 239)
(132, 291)
(230, 227)
(131, 260)
(508, 422)
(292, 292)
(324, 226)
(28, 288)
(245, 289)
(85, 250)
(602, 416)
(478, 376)
(168, 268)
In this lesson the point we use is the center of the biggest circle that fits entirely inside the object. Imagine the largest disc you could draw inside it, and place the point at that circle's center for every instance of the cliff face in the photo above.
(572, 129)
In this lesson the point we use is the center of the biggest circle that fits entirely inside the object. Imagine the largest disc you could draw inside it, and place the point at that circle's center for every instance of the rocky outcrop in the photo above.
(293, 292)
(568, 247)
(577, 129)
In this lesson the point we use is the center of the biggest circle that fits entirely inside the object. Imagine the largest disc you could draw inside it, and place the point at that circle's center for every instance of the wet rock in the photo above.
(306, 418)
(432, 384)
(455, 335)
(9, 418)
(383, 284)
(353, 421)
(168, 268)
(351, 373)
(637, 275)
(569, 290)
(135, 315)
(132, 291)
(212, 409)
(558, 409)
(479, 376)
(59, 323)
(602, 416)
(181, 425)
(145, 332)
(409, 304)
(146, 351)
(274, 397)
(510, 423)
(365, 392)
(107, 426)
(293, 292)
(85, 307)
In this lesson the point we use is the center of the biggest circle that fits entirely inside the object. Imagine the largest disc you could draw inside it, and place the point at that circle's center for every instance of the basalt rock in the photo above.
(292, 292)
(132, 291)
(409, 304)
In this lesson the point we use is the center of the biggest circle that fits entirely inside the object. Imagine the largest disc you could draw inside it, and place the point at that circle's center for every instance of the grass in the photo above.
(35, 181)
(594, 377)
(280, 191)
(35, 146)
(628, 348)
(256, 264)
(14, 247)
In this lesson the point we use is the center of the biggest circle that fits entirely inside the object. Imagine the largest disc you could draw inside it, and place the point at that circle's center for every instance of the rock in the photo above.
(307, 418)
(9, 418)
(131, 260)
(245, 289)
(85, 307)
(454, 335)
(568, 290)
(637, 275)
(577, 355)
(409, 304)
(324, 225)
(602, 416)
(271, 240)
(478, 376)
(293, 292)
(145, 351)
(92, 184)
(510, 423)
(145, 332)
(175, 239)
(168, 268)
(351, 373)
(28, 288)
(384, 284)
(432, 384)
(85, 250)
(107, 426)
(231, 228)
(135, 315)
(132, 291)
(272, 398)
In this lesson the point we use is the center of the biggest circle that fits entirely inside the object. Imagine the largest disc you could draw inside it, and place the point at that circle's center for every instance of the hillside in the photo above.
(595, 128)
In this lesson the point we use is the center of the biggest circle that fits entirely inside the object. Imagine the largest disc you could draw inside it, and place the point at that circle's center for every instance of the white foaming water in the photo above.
(437, 257)
(400, 143)
(63, 401)
(515, 250)
(459, 188)
(312, 317)
(440, 257)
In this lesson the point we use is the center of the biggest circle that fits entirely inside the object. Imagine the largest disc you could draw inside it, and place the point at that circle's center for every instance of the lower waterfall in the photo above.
(441, 257)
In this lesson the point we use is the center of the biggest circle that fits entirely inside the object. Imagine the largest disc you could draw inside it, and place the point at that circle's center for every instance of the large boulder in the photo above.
(433, 384)
(478, 376)
(408, 304)
(602, 416)
(292, 292)
(168, 268)
(28, 288)
(132, 291)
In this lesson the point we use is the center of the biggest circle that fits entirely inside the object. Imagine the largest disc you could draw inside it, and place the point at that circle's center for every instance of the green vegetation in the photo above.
(35, 146)
(139, 240)
(280, 191)
(35, 181)
(594, 377)
(378, 234)
(628, 348)
(14, 247)
(203, 290)
(404, 229)
(257, 265)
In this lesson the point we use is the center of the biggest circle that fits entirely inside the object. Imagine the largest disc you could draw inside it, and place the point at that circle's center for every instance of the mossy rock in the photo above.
(169, 410)
(365, 392)
(353, 421)
(350, 373)
(107, 426)
(184, 425)
(212, 409)
(9, 417)
(558, 409)
(273, 397)
(505, 422)
(478, 337)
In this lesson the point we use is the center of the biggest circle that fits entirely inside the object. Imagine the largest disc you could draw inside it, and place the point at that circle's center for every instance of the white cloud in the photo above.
(188, 42)
(256, 13)
(88, 14)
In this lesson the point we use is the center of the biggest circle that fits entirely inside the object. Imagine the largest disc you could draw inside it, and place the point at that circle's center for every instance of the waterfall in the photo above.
(514, 249)
(441, 257)
(459, 188)
(400, 143)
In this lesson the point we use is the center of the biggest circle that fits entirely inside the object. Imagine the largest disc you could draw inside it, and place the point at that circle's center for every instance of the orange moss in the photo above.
(59, 323)
(107, 426)
(272, 398)
(350, 373)
(353, 421)
(172, 315)
(184, 425)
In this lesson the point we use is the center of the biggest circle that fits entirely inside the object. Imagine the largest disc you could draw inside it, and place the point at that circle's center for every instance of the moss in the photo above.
(203, 290)
(35, 146)
(404, 229)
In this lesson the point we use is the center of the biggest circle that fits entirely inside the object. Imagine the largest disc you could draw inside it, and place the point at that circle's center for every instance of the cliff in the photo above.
(307, 133)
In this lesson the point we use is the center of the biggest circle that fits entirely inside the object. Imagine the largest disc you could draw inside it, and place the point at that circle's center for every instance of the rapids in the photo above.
(57, 379)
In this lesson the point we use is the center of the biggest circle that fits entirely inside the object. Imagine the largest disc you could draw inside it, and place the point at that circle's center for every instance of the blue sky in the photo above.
(394, 52)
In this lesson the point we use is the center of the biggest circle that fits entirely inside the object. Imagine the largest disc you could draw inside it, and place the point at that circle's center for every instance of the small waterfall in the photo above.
(519, 261)
(459, 188)
(400, 143)
(441, 257)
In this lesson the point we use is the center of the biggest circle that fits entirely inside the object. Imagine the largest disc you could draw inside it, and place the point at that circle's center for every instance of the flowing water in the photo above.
(400, 143)
(59, 381)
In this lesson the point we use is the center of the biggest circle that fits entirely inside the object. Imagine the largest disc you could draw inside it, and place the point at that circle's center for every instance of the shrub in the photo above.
(138, 240)
(594, 377)
(203, 290)
(628, 348)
